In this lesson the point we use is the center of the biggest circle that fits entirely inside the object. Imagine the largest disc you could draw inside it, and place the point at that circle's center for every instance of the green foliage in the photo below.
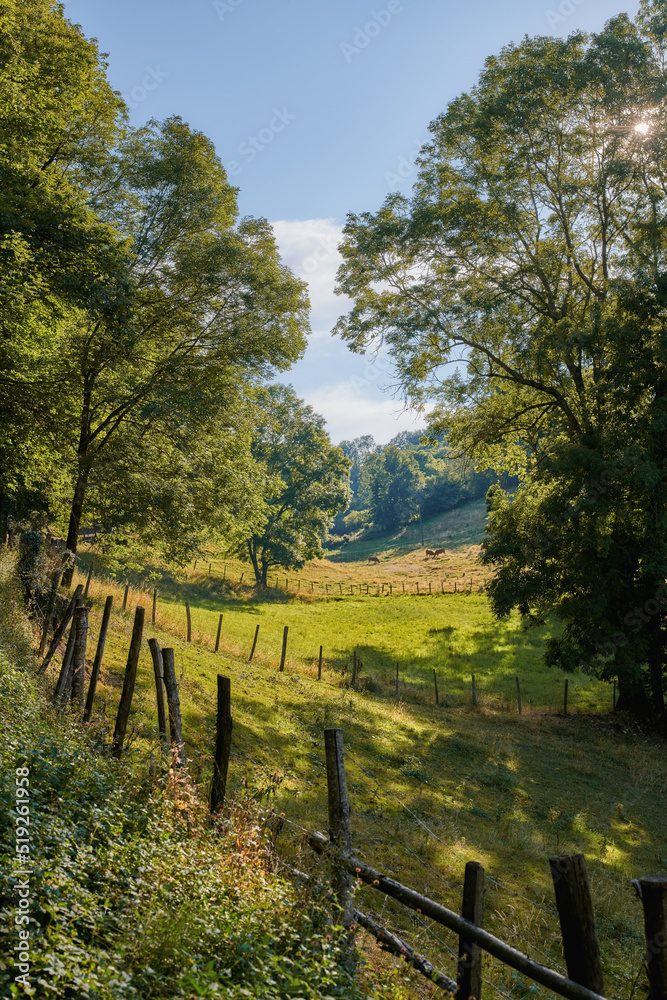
(133, 894)
(532, 257)
(310, 483)
(389, 484)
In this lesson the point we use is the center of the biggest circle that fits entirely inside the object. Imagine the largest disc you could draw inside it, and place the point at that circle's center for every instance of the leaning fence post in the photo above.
(217, 638)
(128, 684)
(653, 891)
(154, 605)
(577, 921)
(284, 650)
(171, 687)
(223, 744)
(189, 620)
(61, 628)
(97, 662)
(63, 683)
(254, 643)
(50, 604)
(88, 578)
(127, 590)
(319, 666)
(156, 654)
(469, 975)
(340, 831)
(80, 627)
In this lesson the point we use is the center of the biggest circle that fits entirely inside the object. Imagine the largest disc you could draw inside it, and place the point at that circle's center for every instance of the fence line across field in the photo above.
(574, 906)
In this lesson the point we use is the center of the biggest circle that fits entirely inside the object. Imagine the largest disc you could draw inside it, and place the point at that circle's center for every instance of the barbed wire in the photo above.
(451, 847)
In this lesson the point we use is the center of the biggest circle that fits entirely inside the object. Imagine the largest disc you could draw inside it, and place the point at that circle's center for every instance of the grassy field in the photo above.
(490, 785)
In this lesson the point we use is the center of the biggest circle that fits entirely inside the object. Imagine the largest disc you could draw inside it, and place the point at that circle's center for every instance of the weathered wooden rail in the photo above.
(584, 980)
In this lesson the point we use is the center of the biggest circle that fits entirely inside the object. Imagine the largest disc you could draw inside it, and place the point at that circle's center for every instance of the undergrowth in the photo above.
(134, 893)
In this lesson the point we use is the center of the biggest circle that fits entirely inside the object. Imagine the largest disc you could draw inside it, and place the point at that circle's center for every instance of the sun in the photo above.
(642, 128)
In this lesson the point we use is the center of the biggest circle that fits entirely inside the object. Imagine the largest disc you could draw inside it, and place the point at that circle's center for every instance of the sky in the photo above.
(317, 109)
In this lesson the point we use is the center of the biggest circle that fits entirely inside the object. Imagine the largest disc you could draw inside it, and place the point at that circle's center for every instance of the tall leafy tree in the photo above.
(309, 483)
(531, 260)
(58, 114)
(212, 309)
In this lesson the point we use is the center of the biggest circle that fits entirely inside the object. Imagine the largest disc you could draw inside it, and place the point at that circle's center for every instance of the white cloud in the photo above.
(309, 248)
(345, 388)
(350, 412)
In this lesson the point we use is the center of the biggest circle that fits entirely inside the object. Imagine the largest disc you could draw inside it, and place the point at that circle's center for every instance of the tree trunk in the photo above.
(255, 564)
(75, 519)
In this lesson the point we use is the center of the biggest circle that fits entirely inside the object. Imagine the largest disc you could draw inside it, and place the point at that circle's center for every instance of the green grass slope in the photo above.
(133, 894)
(431, 786)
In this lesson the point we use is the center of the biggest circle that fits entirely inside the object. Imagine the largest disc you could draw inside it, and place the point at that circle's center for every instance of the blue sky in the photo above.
(317, 110)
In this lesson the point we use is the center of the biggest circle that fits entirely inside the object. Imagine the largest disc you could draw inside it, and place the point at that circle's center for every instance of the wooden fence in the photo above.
(584, 980)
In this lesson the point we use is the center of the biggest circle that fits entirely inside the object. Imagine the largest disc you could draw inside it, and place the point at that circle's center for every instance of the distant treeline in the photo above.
(391, 483)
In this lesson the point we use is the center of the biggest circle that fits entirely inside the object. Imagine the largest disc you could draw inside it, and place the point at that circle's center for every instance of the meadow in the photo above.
(431, 785)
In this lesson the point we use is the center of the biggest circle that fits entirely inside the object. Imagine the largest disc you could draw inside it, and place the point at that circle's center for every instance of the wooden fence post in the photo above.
(223, 744)
(127, 590)
(79, 657)
(217, 638)
(174, 705)
(154, 605)
(254, 643)
(158, 670)
(189, 620)
(518, 693)
(97, 662)
(319, 666)
(653, 891)
(128, 684)
(64, 680)
(340, 831)
(90, 573)
(50, 605)
(565, 697)
(469, 975)
(474, 691)
(577, 921)
(284, 649)
(435, 681)
(60, 631)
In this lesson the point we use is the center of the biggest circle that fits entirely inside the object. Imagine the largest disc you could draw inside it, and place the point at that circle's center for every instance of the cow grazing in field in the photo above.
(373, 559)
(430, 552)
(440, 552)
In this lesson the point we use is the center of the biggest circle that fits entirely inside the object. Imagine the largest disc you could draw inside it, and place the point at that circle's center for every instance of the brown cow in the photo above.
(373, 559)
(439, 552)
(430, 552)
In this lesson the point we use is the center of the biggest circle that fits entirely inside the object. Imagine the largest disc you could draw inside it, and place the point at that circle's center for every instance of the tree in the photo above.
(58, 115)
(310, 483)
(212, 309)
(390, 487)
(532, 258)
